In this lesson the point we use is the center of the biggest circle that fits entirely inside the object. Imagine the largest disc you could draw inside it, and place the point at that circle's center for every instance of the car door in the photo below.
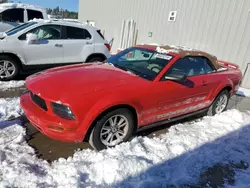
(47, 50)
(204, 74)
(176, 98)
(78, 44)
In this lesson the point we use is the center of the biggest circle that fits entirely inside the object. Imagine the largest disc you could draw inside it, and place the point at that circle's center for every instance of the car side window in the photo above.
(208, 65)
(47, 32)
(191, 66)
(12, 15)
(76, 33)
(34, 14)
(199, 65)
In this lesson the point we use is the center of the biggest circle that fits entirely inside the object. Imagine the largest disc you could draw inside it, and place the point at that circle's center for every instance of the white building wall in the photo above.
(220, 27)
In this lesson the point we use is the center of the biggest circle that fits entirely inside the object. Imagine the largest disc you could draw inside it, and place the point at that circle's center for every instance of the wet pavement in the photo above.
(11, 93)
(240, 103)
(51, 150)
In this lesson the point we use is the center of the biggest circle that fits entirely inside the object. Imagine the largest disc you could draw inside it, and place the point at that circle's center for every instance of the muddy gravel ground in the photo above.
(49, 149)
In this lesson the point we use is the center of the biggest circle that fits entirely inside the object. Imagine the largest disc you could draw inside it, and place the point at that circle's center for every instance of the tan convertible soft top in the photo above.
(184, 51)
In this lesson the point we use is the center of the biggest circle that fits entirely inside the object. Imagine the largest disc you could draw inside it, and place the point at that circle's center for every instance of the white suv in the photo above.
(43, 44)
(14, 14)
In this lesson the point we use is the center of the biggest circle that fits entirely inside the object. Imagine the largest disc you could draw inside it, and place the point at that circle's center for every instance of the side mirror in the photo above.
(32, 38)
(2, 35)
(146, 55)
(176, 76)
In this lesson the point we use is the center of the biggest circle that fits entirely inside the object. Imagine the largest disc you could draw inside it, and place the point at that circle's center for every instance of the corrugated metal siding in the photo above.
(246, 75)
(221, 27)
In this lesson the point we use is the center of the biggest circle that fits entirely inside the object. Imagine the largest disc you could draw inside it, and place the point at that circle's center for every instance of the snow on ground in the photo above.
(177, 157)
(9, 108)
(243, 92)
(19, 166)
(11, 84)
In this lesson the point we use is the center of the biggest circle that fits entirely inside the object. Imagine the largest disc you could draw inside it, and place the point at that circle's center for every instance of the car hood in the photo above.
(69, 81)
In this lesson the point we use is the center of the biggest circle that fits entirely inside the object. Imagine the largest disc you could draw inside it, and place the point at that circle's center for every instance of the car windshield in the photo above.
(20, 28)
(141, 62)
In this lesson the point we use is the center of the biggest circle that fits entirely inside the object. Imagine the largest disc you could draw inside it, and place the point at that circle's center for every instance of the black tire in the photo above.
(95, 59)
(14, 63)
(95, 136)
(212, 110)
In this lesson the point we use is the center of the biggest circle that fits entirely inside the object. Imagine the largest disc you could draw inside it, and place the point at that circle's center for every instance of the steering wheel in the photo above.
(155, 69)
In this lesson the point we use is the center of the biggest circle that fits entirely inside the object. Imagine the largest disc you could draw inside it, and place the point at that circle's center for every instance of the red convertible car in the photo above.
(140, 87)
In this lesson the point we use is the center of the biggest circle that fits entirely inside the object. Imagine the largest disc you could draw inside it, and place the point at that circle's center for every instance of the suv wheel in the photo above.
(8, 68)
(113, 128)
(220, 103)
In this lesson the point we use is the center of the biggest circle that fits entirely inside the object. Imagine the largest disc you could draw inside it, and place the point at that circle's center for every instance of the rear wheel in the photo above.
(220, 103)
(112, 129)
(96, 59)
(9, 68)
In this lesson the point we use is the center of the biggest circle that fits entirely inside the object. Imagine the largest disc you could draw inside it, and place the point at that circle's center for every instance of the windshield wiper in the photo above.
(127, 69)
(121, 67)
(135, 72)
(108, 63)
(118, 66)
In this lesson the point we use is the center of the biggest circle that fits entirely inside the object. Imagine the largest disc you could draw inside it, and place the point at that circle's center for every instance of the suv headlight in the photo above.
(62, 111)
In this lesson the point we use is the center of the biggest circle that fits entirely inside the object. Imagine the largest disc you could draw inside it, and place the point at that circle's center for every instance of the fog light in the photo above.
(56, 128)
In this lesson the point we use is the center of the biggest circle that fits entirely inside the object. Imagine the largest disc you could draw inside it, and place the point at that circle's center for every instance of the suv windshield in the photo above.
(142, 62)
(20, 28)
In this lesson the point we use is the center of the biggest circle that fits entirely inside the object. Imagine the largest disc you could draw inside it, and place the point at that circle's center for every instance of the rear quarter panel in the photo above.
(229, 78)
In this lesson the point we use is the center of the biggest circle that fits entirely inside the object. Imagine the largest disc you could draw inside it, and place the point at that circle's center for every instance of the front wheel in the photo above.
(9, 68)
(220, 103)
(112, 129)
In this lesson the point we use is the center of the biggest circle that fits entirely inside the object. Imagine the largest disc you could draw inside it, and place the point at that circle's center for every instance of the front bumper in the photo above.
(48, 123)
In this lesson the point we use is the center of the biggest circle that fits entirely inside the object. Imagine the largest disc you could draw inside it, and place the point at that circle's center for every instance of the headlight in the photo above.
(62, 111)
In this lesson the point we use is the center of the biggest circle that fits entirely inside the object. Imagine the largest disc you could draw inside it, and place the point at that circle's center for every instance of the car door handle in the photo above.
(58, 45)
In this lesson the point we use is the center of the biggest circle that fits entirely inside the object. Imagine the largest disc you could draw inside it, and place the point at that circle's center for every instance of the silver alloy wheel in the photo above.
(221, 104)
(114, 130)
(7, 69)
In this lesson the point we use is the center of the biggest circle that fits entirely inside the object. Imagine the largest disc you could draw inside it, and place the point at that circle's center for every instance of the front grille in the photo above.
(38, 101)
